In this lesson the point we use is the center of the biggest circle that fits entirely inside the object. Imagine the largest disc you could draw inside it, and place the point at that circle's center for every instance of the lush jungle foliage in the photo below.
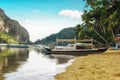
(101, 20)
(6, 38)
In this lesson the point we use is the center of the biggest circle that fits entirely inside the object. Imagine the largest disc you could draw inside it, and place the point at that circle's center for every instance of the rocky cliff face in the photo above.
(13, 28)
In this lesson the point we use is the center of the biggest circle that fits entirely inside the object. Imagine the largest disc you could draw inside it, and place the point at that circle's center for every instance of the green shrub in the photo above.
(6, 38)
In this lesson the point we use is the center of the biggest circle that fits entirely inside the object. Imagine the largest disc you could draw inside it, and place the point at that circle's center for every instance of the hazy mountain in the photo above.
(67, 33)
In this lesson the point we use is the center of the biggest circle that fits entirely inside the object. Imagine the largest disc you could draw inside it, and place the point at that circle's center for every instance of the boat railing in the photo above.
(77, 42)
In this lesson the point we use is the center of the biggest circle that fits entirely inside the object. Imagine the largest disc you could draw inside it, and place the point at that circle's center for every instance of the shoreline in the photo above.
(104, 66)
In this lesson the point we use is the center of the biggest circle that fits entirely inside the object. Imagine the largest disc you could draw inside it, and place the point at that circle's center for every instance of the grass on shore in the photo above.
(104, 66)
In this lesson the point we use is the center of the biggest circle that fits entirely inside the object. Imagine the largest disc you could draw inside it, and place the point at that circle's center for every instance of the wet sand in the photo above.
(104, 66)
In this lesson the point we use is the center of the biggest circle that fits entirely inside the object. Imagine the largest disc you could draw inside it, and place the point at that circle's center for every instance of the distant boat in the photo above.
(38, 46)
(76, 48)
(17, 46)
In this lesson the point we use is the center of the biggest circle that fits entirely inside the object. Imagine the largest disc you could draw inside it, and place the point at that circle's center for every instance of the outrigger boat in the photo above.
(76, 48)
(17, 46)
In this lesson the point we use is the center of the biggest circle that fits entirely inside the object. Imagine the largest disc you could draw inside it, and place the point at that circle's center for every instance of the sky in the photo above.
(42, 18)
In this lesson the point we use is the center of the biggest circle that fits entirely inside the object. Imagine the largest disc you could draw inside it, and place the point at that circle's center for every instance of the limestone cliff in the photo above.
(13, 28)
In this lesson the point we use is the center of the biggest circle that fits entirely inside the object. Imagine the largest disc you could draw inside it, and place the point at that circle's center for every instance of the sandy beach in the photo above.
(104, 66)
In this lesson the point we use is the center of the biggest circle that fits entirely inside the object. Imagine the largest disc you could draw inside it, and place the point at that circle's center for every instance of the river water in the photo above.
(31, 64)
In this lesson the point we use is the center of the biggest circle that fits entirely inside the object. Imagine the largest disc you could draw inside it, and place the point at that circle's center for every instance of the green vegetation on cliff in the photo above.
(6, 38)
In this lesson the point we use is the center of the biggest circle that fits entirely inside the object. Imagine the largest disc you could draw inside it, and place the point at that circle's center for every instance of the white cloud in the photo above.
(71, 13)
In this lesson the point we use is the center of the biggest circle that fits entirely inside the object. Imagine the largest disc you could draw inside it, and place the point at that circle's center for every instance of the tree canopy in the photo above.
(101, 20)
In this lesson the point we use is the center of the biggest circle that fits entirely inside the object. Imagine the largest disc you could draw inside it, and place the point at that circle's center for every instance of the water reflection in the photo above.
(24, 64)
(61, 59)
(13, 61)
(9, 58)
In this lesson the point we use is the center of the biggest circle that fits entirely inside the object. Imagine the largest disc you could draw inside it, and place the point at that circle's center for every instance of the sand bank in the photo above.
(104, 66)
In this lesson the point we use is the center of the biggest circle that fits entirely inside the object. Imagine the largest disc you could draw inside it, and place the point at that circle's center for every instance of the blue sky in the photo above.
(44, 17)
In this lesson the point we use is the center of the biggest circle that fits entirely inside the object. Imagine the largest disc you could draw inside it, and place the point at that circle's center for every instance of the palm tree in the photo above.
(90, 23)
(79, 31)
(102, 18)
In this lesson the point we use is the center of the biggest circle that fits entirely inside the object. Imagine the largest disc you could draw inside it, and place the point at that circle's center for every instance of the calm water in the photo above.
(24, 64)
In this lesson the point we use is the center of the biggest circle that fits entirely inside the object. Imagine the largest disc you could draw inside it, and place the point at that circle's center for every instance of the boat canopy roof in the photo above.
(84, 44)
(74, 40)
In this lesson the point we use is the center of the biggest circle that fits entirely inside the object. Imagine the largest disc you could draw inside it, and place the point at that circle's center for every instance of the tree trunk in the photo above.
(101, 37)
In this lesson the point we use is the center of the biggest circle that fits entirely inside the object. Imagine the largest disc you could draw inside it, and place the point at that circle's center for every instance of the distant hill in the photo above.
(67, 33)
(12, 28)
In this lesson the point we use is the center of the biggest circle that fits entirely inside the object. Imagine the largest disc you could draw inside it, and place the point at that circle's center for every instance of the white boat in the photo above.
(76, 48)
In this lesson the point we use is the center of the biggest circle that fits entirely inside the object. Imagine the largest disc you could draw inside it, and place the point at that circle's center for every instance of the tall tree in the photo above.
(102, 17)
(80, 31)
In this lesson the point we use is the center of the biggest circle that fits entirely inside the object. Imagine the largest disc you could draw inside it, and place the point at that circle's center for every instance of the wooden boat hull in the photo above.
(78, 51)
